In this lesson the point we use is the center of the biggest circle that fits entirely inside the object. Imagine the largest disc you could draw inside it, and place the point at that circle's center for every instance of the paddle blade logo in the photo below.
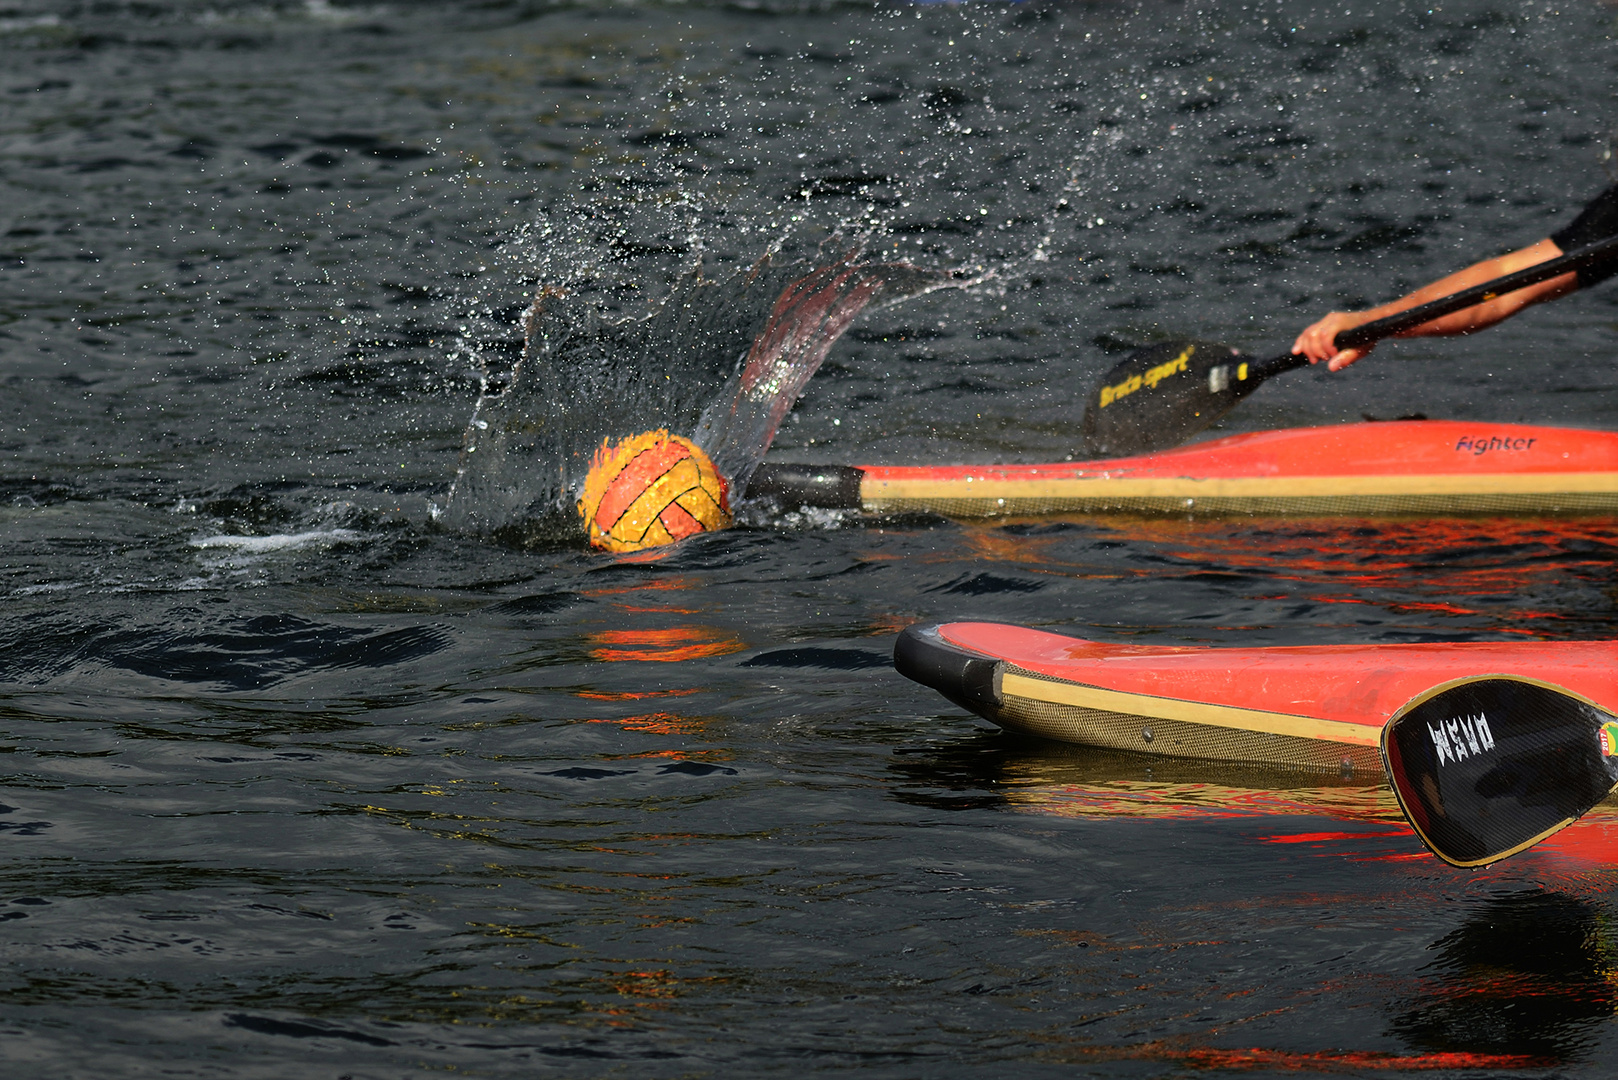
(1608, 737)
(1149, 378)
(1462, 737)
(1493, 765)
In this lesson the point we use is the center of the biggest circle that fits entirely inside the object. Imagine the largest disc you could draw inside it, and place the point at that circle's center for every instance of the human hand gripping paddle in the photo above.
(1163, 394)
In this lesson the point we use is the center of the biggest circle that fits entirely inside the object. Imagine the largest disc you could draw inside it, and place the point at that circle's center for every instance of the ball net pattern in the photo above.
(651, 489)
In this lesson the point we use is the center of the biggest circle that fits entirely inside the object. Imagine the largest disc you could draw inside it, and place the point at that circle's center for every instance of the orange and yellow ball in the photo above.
(651, 489)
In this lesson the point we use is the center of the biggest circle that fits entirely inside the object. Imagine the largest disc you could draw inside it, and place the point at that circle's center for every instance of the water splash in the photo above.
(807, 319)
(722, 361)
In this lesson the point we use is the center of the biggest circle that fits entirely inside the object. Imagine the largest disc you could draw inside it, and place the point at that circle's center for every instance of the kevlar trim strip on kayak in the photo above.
(1032, 685)
(1092, 716)
(989, 496)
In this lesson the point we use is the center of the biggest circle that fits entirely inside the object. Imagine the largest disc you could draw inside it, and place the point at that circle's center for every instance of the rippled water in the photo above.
(299, 783)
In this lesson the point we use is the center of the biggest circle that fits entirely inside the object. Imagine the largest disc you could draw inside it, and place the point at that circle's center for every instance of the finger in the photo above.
(1345, 358)
(1317, 344)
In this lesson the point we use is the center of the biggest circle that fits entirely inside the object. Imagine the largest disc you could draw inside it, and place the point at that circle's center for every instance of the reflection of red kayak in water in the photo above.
(1394, 467)
(1313, 706)
(1355, 819)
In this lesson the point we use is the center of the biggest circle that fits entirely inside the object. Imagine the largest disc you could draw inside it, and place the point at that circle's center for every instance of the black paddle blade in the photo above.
(1162, 395)
(1489, 767)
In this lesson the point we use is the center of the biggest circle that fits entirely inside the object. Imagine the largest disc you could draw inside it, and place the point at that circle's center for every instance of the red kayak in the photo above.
(1312, 706)
(1430, 467)
(1490, 747)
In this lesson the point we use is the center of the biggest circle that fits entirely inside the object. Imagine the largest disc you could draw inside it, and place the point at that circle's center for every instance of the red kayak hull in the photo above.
(1317, 707)
(1395, 467)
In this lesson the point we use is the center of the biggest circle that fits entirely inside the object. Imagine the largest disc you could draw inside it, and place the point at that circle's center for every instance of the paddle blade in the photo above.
(1162, 395)
(1488, 767)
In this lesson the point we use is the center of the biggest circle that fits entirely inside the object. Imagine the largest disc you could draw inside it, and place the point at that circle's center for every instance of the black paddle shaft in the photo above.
(1162, 395)
(1372, 332)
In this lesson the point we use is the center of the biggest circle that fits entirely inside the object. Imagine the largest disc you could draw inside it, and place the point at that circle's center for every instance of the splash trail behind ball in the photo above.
(651, 489)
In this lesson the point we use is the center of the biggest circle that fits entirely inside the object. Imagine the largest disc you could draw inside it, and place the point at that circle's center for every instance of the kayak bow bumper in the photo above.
(969, 679)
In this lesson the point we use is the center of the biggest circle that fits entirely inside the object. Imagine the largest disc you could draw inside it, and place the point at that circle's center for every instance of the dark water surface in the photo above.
(298, 783)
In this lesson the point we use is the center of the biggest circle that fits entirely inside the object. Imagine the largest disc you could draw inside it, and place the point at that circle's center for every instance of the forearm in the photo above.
(1479, 316)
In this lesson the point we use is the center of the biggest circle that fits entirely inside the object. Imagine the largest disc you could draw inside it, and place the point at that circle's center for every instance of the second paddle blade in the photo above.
(1162, 395)
(1489, 767)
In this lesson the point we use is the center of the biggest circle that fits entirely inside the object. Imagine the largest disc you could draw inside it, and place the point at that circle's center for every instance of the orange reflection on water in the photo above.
(1340, 542)
(1097, 784)
(1161, 799)
(992, 542)
(1438, 609)
(656, 984)
(1321, 837)
(657, 723)
(627, 695)
(668, 645)
(1588, 843)
(704, 757)
(1372, 553)
(642, 990)
(1459, 557)
(655, 585)
(889, 624)
(1288, 1061)
(650, 555)
(1332, 844)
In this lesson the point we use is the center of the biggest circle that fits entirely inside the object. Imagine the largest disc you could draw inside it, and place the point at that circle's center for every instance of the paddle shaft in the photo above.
(1372, 332)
